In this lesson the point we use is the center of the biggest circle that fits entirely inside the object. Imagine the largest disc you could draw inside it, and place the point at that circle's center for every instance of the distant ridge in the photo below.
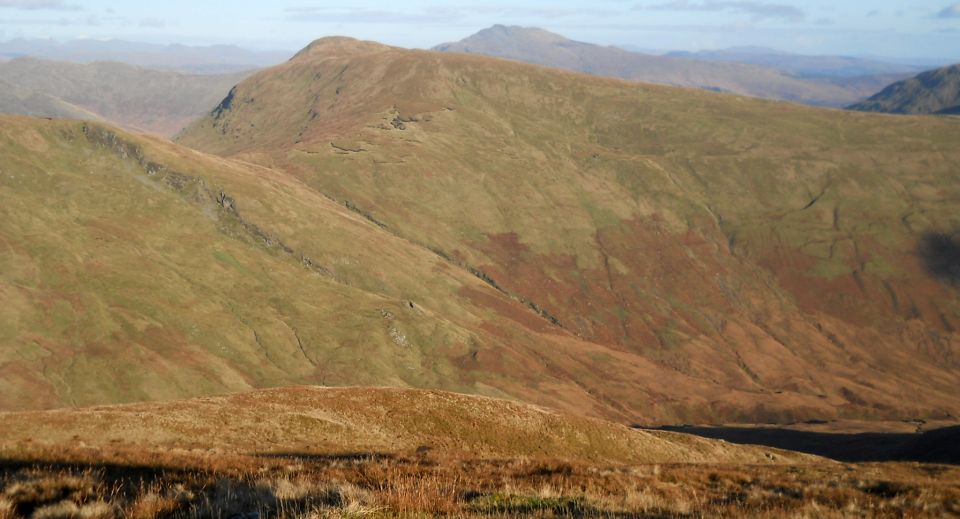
(212, 59)
(803, 66)
(541, 47)
(156, 101)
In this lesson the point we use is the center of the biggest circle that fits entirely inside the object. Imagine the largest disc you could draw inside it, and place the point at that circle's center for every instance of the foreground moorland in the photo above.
(361, 451)
(74, 483)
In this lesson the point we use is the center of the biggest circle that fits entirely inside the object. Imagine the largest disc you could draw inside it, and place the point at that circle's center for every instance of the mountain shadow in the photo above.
(934, 446)
(940, 253)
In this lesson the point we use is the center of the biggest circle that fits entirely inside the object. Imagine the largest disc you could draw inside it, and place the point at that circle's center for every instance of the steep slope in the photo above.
(136, 270)
(133, 269)
(311, 420)
(932, 92)
(863, 87)
(159, 102)
(755, 260)
(545, 48)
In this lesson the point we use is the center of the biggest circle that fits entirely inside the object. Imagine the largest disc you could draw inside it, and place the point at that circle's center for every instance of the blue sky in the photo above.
(918, 28)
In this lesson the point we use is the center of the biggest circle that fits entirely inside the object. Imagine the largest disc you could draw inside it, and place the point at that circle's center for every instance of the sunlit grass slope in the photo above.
(795, 261)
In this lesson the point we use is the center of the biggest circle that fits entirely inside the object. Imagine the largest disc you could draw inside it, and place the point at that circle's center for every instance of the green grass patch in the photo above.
(519, 504)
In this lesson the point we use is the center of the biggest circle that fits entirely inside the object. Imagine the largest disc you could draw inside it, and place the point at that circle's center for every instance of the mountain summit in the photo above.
(657, 253)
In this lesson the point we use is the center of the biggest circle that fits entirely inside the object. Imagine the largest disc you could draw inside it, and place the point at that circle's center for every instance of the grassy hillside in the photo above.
(932, 92)
(134, 269)
(160, 102)
(797, 258)
(541, 47)
(330, 421)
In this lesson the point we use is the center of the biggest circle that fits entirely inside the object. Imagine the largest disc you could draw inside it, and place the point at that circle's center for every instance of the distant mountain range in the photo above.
(155, 101)
(201, 60)
(800, 65)
(542, 47)
(164, 102)
(932, 92)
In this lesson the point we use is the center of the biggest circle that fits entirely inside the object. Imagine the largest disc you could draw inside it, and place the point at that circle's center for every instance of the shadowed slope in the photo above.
(764, 248)
(932, 92)
(932, 446)
(327, 421)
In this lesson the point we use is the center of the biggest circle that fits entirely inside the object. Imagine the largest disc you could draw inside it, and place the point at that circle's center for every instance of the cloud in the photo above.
(544, 12)
(343, 15)
(36, 5)
(152, 22)
(950, 11)
(757, 10)
(39, 21)
(439, 15)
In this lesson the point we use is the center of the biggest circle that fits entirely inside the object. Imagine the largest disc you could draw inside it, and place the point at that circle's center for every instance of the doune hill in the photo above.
(793, 260)
(377, 216)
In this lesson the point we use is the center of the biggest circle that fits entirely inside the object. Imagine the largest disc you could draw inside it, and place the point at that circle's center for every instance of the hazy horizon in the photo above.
(927, 29)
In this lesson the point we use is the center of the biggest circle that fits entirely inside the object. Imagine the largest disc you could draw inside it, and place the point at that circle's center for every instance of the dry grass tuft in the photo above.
(6, 509)
(152, 504)
(92, 484)
(71, 510)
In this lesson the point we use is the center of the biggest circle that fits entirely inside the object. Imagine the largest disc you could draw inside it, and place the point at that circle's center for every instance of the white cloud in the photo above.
(757, 10)
(36, 5)
(152, 22)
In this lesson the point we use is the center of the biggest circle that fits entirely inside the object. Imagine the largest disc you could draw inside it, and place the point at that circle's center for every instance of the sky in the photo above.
(891, 28)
